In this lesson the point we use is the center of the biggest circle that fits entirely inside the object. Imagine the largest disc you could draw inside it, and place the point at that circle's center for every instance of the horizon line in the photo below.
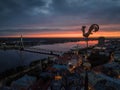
(53, 37)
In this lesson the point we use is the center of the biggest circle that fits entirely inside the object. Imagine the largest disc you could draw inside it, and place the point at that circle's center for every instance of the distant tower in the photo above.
(101, 41)
(21, 43)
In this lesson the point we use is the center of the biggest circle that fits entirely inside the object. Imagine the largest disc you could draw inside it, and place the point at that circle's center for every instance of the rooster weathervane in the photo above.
(93, 28)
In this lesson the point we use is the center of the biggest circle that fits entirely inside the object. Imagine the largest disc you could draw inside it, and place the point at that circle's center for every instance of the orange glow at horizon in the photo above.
(68, 34)
(107, 30)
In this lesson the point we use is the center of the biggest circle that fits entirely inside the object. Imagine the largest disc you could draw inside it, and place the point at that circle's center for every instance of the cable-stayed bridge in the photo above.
(43, 51)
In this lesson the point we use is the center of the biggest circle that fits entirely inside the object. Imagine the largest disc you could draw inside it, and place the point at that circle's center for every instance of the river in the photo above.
(13, 58)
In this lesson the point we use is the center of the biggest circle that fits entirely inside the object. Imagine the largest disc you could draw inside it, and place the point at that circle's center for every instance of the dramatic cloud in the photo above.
(34, 13)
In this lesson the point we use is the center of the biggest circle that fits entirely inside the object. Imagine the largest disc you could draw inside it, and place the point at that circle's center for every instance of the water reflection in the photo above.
(65, 46)
(13, 58)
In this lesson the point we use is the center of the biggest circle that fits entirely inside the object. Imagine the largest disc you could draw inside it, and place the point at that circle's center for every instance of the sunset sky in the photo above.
(58, 18)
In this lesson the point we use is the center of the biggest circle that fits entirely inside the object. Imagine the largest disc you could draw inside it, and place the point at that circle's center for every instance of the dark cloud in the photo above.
(58, 12)
(18, 6)
(22, 10)
(19, 31)
(53, 29)
(12, 11)
(100, 11)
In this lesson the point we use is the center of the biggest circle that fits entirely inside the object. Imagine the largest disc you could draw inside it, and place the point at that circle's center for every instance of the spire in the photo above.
(21, 43)
(86, 80)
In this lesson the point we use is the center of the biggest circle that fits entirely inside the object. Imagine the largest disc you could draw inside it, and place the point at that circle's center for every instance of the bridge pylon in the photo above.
(21, 43)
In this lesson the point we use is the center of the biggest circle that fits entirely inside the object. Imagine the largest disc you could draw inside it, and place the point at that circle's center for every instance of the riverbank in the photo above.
(9, 47)
(10, 75)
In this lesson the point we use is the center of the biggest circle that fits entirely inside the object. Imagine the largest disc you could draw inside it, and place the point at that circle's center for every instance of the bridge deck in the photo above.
(43, 51)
